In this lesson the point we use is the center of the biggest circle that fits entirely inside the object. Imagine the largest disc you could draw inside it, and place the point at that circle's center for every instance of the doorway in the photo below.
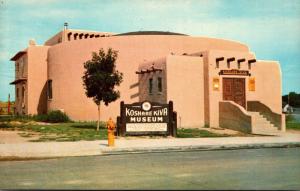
(234, 90)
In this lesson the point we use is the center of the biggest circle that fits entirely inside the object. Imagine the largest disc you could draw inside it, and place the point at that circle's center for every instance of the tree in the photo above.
(100, 78)
(293, 99)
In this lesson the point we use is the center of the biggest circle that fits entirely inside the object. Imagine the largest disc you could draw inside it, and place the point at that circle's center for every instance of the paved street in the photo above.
(276, 168)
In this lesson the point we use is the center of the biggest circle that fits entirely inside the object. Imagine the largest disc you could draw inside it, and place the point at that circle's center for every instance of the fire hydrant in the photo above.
(110, 125)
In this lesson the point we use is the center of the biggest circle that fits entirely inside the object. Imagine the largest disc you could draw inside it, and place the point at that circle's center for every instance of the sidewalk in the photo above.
(122, 145)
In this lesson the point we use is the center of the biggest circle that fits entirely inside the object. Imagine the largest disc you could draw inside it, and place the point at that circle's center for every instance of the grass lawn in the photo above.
(195, 133)
(292, 123)
(76, 131)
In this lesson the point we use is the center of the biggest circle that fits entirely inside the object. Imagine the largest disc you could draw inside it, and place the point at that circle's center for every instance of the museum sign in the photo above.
(235, 72)
(146, 118)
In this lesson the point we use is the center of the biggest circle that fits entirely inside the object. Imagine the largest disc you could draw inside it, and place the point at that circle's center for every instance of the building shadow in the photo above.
(42, 104)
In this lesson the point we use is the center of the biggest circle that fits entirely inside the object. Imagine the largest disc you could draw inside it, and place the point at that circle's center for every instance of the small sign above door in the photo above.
(235, 72)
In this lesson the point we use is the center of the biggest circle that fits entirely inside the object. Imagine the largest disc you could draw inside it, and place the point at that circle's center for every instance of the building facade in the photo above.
(212, 82)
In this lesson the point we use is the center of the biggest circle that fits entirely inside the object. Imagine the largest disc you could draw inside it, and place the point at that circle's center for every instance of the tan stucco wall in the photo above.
(268, 85)
(216, 96)
(37, 78)
(58, 38)
(233, 116)
(62, 36)
(65, 62)
(185, 87)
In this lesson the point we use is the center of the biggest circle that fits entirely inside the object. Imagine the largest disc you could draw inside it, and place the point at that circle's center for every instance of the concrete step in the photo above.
(261, 126)
(265, 130)
(253, 112)
(256, 115)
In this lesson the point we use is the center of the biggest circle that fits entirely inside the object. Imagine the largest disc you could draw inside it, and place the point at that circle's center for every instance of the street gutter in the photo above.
(117, 151)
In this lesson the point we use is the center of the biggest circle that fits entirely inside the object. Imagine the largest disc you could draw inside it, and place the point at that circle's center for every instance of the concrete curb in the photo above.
(141, 150)
(117, 151)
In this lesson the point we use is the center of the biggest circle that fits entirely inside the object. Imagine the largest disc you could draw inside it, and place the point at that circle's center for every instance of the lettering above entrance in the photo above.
(235, 72)
(147, 118)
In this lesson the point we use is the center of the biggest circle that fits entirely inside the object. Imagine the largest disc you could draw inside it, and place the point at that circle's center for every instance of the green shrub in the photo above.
(40, 117)
(57, 116)
(54, 116)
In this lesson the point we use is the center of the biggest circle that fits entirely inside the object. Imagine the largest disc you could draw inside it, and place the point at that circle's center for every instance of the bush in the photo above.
(54, 116)
(57, 116)
(40, 117)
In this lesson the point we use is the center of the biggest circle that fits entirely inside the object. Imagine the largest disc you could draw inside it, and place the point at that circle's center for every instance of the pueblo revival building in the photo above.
(212, 82)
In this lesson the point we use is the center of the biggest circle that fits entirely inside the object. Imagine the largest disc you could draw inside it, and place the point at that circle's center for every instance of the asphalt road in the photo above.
(276, 168)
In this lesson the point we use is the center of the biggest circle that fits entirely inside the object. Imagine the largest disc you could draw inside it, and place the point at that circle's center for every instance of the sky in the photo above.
(271, 28)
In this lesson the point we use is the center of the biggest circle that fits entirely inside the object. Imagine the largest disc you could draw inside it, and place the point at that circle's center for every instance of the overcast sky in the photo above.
(271, 28)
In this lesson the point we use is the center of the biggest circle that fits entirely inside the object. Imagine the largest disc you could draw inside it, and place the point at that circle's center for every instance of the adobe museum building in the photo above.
(212, 82)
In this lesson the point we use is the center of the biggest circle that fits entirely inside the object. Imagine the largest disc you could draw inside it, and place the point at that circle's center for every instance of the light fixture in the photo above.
(216, 84)
(251, 84)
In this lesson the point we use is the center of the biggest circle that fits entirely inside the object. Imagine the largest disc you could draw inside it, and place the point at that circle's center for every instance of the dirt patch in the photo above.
(15, 136)
(223, 131)
(37, 123)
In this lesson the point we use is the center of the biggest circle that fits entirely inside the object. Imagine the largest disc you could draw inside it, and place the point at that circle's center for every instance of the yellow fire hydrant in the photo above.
(110, 125)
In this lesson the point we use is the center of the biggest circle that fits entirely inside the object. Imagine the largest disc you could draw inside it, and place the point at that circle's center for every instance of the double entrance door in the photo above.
(234, 90)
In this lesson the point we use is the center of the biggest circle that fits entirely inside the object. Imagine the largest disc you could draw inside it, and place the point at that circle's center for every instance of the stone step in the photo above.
(255, 114)
(261, 122)
(262, 126)
(265, 130)
(267, 124)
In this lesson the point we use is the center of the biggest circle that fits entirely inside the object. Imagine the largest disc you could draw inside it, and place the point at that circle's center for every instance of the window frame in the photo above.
(159, 85)
(150, 86)
(17, 92)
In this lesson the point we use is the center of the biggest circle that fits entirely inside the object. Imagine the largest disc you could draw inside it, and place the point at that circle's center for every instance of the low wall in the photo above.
(233, 116)
(274, 118)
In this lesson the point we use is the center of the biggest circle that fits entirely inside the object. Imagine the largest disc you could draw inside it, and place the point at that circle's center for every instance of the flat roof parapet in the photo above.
(150, 33)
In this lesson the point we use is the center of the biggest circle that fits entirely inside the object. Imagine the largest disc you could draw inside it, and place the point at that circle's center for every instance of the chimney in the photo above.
(64, 32)
(65, 26)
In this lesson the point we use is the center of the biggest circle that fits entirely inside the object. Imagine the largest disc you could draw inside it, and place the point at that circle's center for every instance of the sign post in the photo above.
(147, 118)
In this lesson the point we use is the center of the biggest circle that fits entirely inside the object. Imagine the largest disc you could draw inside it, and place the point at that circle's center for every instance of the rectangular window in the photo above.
(150, 85)
(23, 97)
(159, 84)
(23, 92)
(49, 90)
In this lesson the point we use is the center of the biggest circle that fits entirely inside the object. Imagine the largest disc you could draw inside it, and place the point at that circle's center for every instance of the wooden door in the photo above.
(234, 90)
